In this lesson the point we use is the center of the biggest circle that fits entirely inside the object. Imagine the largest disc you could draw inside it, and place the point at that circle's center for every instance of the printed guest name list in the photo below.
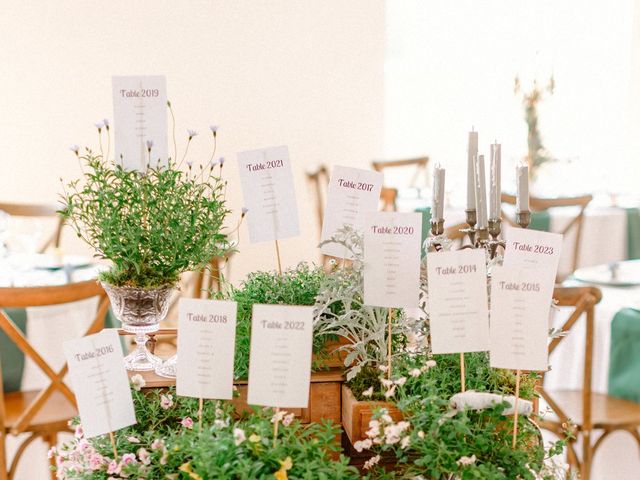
(100, 382)
(352, 193)
(280, 362)
(392, 259)
(206, 347)
(269, 194)
(458, 305)
(520, 303)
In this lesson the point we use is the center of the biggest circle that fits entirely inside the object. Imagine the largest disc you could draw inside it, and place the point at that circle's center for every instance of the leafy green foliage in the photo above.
(341, 312)
(153, 226)
(162, 446)
(296, 286)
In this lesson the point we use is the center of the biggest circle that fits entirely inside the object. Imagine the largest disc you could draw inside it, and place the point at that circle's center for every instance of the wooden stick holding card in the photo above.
(280, 358)
(206, 347)
(458, 303)
(268, 191)
(522, 291)
(392, 265)
(101, 384)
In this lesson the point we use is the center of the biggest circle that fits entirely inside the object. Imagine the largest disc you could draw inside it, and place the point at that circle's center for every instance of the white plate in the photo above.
(51, 262)
(627, 274)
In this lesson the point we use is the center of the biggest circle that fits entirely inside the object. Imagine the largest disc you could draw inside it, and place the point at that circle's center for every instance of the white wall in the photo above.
(304, 73)
(451, 65)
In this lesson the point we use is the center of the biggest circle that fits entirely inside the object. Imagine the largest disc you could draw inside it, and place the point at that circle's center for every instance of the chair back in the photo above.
(46, 296)
(210, 277)
(318, 179)
(419, 164)
(388, 199)
(542, 204)
(455, 233)
(43, 210)
(583, 301)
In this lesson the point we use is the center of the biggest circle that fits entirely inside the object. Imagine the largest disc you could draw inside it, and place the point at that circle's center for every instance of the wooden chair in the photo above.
(24, 210)
(420, 164)
(388, 199)
(46, 412)
(590, 412)
(542, 204)
(318, 178)
(210, 277)
(455, 234)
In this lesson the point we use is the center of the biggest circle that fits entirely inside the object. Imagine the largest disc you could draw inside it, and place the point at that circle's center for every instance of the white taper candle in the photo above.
(522, 181)
(437, 208)
(472, 151)
(481, 193)
(495, 190)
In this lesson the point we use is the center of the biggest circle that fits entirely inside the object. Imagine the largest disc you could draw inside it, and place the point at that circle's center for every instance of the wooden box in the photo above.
(356, 414)
(324, 395)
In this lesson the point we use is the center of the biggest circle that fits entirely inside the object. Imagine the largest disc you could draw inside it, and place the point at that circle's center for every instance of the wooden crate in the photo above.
(324, 395)
(357, 414)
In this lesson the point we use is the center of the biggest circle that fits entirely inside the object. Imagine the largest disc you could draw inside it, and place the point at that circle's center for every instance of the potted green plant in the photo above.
(152, 226)
(365, 329)
(169, 441)
(294, 286)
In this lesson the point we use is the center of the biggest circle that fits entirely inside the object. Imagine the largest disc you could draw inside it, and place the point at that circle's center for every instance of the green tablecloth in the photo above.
(624, 355)
(426, 223)
(541, 221)
(633, 233)
(12, 358)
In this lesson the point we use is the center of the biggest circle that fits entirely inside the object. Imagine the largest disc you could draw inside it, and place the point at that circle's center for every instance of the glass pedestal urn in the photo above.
(140, 311)
(168, 368)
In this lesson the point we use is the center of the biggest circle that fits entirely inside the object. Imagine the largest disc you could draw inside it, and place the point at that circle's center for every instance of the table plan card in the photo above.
(268, 192)
(352, 193)
(100, 382)
(140, 121)
(280, 362)
(533, 249)
(519, 327)
(458, 306)
(392, 259)
(206, 347)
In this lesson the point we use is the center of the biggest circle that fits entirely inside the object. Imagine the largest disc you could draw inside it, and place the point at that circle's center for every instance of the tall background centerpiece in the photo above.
(152, 226)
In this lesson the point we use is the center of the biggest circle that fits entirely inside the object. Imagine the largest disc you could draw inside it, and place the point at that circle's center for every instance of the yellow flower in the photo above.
(284, 466)
(254, 438)
(186, 468)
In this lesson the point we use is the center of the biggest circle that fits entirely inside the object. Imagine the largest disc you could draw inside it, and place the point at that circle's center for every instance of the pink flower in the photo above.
(390, 393)
(96, 461)
(363, 445)
(144, 456)
(166, 401)
(157, 444)
(286, 421)
(133, 439)
(371, 462)
(79, 433)
(187, 422)
(128, 458)
(52, 452)
(83, 445)
(238, 436)
(114, 468)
